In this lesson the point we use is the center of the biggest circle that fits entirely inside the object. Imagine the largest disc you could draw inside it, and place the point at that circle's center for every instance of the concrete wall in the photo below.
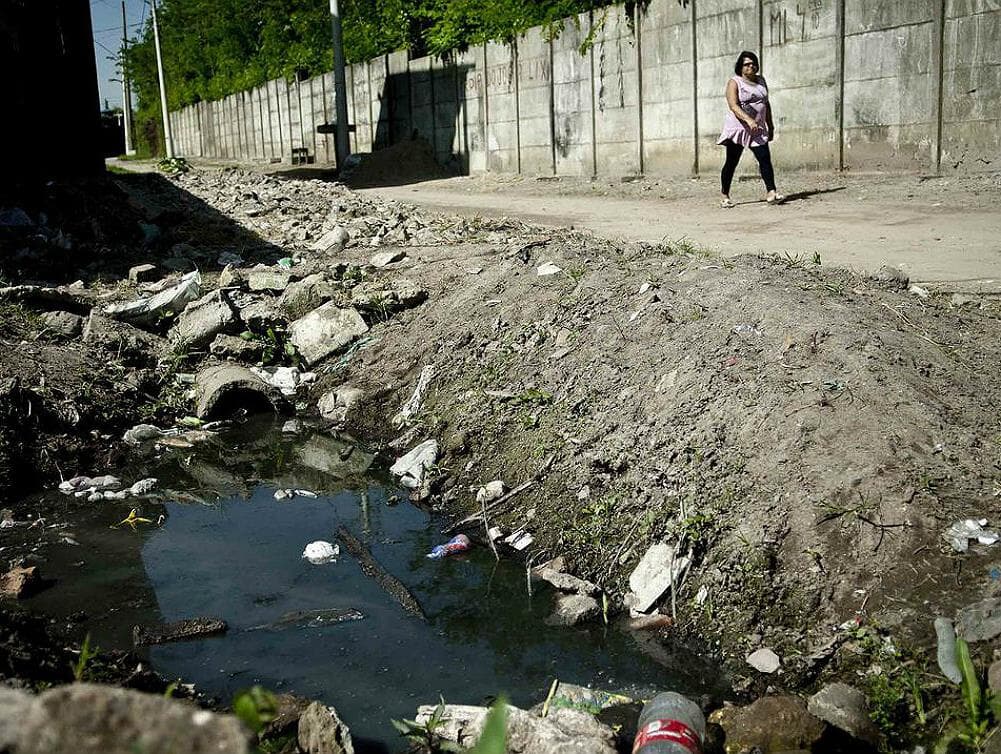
(877, 85)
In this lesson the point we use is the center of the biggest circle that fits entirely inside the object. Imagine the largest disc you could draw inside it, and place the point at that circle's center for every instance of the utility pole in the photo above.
(341, 145)
(126, 93)
(167, 138)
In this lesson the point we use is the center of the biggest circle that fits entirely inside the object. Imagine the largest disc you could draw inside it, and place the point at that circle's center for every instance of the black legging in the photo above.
(733, 152)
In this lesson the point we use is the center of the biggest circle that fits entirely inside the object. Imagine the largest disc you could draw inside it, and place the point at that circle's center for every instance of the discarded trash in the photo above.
(87, 485)
(764, 660)
(412, 406)
(458, 543)
(917, 290)
(961, 532)
(148, 310)
(670, 724)
(321, 552)
(658, 571)
(292, 427)
(285, 379)
(548, 269)
(520, 540)
(285, 263)
(412, 467)
(305, 493)
(947, 650)
(747, 331)
(284, 494)
(143, 486)
(490, 492)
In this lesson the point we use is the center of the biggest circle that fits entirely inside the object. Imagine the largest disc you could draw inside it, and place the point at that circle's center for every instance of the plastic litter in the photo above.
(413, 466)
(961, 532)
(321, 552)
(84, 485)
(148, 310)
(305, 493)
(547, 269)
(747, 331)
(143, 486)
(284, 494)
(670, 724)
(458, 543)
(946, 654)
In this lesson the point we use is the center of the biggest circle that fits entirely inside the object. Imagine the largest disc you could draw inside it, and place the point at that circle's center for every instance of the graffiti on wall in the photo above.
(803, 25)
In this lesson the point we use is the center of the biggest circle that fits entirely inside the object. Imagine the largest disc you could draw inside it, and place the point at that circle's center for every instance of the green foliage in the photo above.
(493, 740)
(86, 655)
(424, 736)
(212, 48)
(978, 704)
(255, 707)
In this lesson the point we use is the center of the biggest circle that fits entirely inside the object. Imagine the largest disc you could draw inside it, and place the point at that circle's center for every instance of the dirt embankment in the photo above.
(802, 434)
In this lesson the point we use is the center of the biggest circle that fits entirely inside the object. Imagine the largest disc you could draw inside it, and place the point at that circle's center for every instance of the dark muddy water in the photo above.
(227, 549)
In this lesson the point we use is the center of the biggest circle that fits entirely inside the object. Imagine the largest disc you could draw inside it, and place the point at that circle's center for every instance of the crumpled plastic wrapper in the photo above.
(961, 532)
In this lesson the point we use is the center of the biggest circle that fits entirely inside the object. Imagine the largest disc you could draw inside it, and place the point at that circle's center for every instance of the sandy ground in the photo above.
(944, 230)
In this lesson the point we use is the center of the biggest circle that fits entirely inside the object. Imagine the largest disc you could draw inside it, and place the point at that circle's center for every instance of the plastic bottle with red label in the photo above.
(459, 543)
(670, 724)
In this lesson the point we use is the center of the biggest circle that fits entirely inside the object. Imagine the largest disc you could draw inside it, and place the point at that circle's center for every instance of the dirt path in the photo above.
(937, 230)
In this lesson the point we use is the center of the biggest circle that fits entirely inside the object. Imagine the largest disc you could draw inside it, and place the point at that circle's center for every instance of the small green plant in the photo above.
(86, 655)
(982, 706)
(816, 258)
(424, 736)
(173, 165)
(493, 739)
(255, 707)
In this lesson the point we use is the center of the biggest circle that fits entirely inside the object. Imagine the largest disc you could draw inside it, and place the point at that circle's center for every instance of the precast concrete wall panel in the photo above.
(800, 65)
(971, 114)
(534, 79)
(285, 119)
(616, 94)
(502, 109)
(208, 133)
(446, 109)
(325, 142)
(398, 96)
(471, 135)
(890, 99)
(362, 107)
(665, 32)
(421, 101)
(573, 114)
(296, 125)
(378, 75)
(723, 29)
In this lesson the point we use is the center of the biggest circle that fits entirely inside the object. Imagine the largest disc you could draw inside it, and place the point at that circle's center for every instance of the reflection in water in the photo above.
(239, 559)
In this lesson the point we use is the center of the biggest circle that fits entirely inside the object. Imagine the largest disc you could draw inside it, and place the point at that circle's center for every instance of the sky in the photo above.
(106, 21)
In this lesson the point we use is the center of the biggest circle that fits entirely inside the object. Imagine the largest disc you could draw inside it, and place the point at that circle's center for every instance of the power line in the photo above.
(114, 28)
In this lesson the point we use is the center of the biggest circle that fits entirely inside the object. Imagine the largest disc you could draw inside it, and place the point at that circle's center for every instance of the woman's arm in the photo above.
(735, 108)
(768, 121)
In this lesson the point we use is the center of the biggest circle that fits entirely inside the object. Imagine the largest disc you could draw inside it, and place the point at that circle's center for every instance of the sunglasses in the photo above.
(750, 63)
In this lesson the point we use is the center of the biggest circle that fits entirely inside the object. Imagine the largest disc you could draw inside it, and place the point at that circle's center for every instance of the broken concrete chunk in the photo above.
(63, 325)
(547, 269)
(412, 467)
(321, 731)
(325, 331)
(573, 609)
(228, 386)
(656, 573)
(384, 258)
(563, 581)
(142, 273)
(236, 348)
(142, 433)
(333, 240)
(182, 630)
(844, 707)
(946, 650)
(893, 276)
(303, 296)
(268, 279)
(20, 582)
(334, 406)
(772, 724)
(148, 311)
(201, 321)
(232, 277)
(261, 314)
(490, 491)
(764, 660)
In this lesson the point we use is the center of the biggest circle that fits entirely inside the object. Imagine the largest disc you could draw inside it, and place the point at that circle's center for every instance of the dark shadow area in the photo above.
(96, 229)
(800, 195)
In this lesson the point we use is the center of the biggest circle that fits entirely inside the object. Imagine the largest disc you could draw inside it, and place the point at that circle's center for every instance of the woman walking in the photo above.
(748, 123)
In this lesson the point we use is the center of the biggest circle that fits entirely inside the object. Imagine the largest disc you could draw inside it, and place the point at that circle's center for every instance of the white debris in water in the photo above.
(321, 552)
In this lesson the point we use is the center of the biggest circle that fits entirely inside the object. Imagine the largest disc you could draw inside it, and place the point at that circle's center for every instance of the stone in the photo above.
(142, 433)
(385, 258)
(335, 458)
(268, 279)
(62, 325)
(14, 706)
(325, 331)
(772, 723)
(654, 575)
(962, 301)
(412, 467)
(181, 630)
(844, 707)
(143, 273)
(490, 491)
(764, 660)
(88, 718)
(334, 405)
(547, 269)
(333, 240)
(893, 276)
(20, 582)
(980, 621)
(288, 711)
(384, 298)
(232, 277)
(219, 386)
(573, 609)
(321, 731)
(563, 581)
(261, 314)
(201, 321)
(236, 348)
(562, 731)
(303, 296)
(994, 676)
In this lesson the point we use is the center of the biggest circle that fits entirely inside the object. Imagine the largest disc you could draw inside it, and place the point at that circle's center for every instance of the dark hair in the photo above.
(737, 68)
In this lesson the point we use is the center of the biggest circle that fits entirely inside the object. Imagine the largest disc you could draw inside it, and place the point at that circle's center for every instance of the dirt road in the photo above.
(937, 230)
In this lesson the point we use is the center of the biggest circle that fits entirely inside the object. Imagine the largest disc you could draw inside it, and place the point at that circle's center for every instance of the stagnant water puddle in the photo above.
(227, 548)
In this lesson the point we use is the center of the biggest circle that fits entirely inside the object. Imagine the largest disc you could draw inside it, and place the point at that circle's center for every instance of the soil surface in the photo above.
(802, 433)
